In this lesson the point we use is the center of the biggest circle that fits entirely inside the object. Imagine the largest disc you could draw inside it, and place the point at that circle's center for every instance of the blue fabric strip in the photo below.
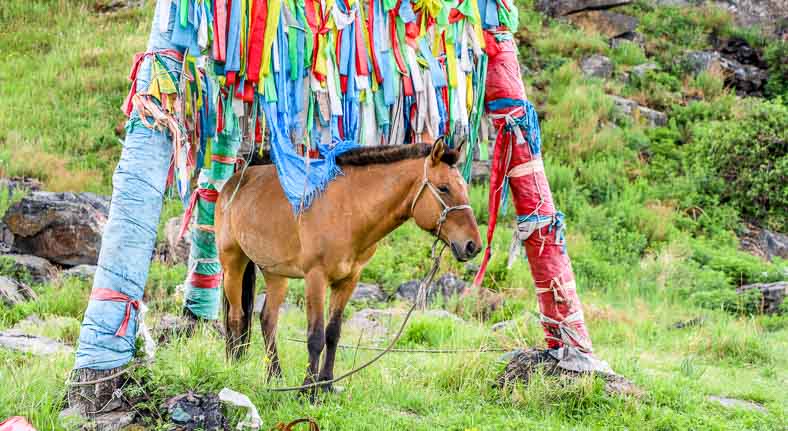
(130, 233)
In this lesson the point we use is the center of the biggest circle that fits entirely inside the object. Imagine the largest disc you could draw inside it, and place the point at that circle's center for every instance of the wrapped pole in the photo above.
(109, 328)
(517, 165)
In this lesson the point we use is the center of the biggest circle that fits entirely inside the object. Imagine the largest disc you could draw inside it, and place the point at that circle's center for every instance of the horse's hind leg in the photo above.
(275, 292)
(315, 299)
(238, 300)
(340, 294)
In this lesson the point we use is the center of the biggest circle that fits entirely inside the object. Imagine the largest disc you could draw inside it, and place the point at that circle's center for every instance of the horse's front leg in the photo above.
(340, 294)
(315, 293)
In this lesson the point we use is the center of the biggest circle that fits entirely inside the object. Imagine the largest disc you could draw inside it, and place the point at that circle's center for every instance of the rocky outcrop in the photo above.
(763, 242)
(565, 7)
(64, 228)
(597, 66)
(630, 108)
(20, 184)
(748, 79)
(608, 24)
(41, 346)
(84, 272)
(480, 171)
(772, 295)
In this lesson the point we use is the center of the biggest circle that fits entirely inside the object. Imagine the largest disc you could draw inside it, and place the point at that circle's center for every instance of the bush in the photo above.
(776, 56)
(745, 161)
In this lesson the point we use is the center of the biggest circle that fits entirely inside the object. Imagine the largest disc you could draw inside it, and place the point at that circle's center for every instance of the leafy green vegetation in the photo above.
(652, 216)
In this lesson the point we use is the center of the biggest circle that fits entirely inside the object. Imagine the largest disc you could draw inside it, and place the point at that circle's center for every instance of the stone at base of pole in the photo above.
(95, 400)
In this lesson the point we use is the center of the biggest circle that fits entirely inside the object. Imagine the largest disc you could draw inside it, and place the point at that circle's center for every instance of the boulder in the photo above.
(446, 286)
(597, 66)
(13, 292)
(368, 292)
(630, 108)
(763, 242)
(64, 228)
(772, 295)
(608, 24)
(38, 269)
(84, 272)
(259, 303)
(177, 251)
(40, 346)
(565, 7)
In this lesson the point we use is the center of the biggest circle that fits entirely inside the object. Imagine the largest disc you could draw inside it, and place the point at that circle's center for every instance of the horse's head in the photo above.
(441, 204)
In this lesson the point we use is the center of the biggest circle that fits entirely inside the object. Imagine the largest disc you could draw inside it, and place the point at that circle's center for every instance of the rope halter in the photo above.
(426, 183)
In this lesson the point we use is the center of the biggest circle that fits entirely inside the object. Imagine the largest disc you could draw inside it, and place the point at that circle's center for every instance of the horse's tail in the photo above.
(247, 304)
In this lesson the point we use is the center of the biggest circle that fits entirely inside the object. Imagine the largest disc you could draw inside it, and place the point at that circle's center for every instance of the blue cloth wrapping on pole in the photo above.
(130, 233)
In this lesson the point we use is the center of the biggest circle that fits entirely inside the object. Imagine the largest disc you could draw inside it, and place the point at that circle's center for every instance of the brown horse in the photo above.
(331, 242)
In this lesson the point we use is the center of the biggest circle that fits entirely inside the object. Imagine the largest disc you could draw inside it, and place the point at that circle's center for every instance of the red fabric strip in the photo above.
(370, 32)
(362, 63)
(255, 54)
(104, 294)
(203, 281)
(220, 30)
(394, 42)
(208, 195)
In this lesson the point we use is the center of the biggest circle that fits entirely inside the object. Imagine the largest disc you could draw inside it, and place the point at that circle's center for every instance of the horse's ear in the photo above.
(462, 140)
(438, 148)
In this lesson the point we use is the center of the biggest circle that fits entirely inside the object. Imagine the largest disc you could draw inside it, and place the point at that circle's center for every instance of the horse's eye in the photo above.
(443, 188)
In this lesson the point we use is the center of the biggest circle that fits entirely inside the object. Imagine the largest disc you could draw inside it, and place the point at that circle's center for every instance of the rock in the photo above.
(6, 238)
(373, 323)
(763, 242)
(761, 14)
(441, 314)
(748, 80)
(631, 37)
(171, 326)
(38, 269)
(738, 49)
(84, 272)
(608, 24)
(501, 326)
(368, 292)
(597, 66)
(447, 285)
(259, 302)
(177, 251)
(13, 292)
(733, 403)
(641, 70)
(471, 268)
(697, 321)
(697, 62)
(480, 171)
(192, 411)
(630, 108)
(20, 184)
(525, 363)
(41, 346)
(565, 7)
(772, 294)
(64, 228)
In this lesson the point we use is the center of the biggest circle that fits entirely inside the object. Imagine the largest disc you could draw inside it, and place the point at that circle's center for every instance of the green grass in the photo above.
(650, 244)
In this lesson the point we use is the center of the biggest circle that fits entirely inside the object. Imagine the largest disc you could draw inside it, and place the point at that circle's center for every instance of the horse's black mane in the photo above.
(364, 156)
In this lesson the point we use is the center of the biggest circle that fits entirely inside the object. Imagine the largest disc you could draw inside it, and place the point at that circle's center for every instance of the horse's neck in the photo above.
(383, 194)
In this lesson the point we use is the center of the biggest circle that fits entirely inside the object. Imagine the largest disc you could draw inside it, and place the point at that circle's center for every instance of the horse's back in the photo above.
(258, 220)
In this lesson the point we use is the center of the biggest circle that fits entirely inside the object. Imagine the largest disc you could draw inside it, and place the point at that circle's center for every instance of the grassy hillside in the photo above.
(653, 215)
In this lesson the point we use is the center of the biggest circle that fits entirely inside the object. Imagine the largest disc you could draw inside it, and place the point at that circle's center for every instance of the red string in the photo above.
(103, 294)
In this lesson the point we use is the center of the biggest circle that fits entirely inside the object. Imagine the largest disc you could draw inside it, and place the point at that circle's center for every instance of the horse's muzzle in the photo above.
(464, 251)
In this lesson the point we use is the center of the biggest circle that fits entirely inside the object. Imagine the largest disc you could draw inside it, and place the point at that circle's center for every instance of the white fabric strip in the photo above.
(528, 168)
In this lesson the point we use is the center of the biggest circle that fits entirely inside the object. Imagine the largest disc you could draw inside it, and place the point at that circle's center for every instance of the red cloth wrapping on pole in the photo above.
(516, 157)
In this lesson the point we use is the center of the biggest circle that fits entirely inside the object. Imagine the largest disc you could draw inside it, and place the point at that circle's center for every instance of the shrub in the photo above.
(745, 161)
(628, 53)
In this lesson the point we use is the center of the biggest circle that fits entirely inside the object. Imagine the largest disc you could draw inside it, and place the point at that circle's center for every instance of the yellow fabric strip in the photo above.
(271, 24)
